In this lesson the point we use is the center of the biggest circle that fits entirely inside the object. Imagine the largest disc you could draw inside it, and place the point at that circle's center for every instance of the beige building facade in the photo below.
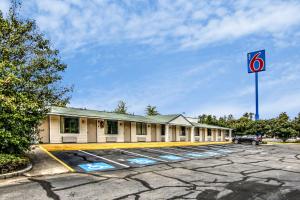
(75, 125)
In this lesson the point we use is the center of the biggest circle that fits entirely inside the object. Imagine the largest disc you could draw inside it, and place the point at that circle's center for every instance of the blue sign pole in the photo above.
(256, 63)
(256, 96)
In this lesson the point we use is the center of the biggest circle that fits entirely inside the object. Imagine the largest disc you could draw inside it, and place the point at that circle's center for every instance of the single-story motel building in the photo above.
(75, 125)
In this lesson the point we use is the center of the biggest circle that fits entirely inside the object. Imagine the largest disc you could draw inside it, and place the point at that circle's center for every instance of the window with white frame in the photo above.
(69, 124)
(111, 127)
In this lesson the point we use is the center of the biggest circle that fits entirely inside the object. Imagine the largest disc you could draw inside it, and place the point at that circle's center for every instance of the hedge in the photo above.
(10, 163)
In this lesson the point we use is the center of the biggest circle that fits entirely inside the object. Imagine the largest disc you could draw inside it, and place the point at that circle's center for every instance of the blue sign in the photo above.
(98, 166)
(256, 61)
(171, 157)
(141, 161)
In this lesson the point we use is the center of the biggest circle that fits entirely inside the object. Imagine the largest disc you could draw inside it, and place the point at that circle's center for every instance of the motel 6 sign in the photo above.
(256, 61)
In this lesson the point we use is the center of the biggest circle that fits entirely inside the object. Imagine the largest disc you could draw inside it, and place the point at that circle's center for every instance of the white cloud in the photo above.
(183, 24)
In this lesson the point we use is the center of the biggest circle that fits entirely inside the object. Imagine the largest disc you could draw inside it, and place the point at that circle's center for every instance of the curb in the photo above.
(17, 173)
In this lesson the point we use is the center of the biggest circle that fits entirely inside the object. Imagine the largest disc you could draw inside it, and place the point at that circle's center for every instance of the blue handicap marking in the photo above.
(171, 157)
(224, 150)
(141, 161)
(97, 166)
(212, 153)
(198, 155)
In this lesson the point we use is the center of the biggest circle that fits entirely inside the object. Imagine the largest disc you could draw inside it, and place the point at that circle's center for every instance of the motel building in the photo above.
(75, 125)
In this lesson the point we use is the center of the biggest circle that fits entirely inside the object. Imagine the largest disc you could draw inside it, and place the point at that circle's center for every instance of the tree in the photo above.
(30, 73)
(121, 108)
(151, 110)
(282, 127)
(296, 124)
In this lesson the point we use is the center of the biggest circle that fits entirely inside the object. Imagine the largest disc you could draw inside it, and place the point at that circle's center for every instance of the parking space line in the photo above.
(179, 149)
(166, 152)
(137, 154)
(194, 149)
(117, 163)
(57, 159)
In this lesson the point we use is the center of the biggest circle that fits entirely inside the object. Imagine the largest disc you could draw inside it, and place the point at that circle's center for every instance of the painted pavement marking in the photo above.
(97, 166)
(161, 151)
(179, 149)
(117, 163)
(141, 161)
(137, 154)
(199, 155)
(171, 157)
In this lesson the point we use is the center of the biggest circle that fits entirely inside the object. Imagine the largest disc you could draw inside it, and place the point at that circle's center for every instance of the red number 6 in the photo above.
(259, 60)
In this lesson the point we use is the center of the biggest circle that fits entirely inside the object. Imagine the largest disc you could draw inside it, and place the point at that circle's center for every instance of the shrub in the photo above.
(9, 163)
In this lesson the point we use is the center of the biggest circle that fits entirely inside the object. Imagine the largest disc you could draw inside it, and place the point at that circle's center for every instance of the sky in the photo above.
(182, 56)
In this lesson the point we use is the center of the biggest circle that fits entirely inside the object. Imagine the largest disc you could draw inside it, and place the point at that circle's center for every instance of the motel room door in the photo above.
(92, 130)
(127, 132)
(153, 132)
(173, 134)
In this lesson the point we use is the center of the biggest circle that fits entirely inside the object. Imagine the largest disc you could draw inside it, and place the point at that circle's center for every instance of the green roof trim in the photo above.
(155, 119)
(209, 126)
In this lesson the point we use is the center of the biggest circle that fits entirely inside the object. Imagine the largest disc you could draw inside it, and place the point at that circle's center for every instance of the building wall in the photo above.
(56, 136)
(180, 120)
(44, 131)
(158, 133)
(101, 137)
(50, 131)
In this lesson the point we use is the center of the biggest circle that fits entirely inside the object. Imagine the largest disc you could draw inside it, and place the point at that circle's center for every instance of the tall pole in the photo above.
(256, 96)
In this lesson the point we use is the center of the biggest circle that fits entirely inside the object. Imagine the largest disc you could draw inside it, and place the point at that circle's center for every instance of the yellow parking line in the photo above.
(58, 160)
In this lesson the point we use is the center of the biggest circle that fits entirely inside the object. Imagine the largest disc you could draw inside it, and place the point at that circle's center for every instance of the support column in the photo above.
(192, 134)
(167, 138)
(214, 135)
(158, 132)
(120, 137)
(223, 135)
(149, 134)
(205, 135)
(133, 132)
(230, 134)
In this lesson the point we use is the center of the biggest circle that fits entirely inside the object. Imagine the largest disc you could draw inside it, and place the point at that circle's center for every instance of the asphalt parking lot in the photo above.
(116, 159)
(229, 172)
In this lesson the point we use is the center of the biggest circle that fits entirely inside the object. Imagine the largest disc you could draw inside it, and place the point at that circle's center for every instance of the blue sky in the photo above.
(181, 56)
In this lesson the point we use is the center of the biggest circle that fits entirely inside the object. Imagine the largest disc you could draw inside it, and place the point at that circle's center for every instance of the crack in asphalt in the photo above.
(241, 184)
(47, 187)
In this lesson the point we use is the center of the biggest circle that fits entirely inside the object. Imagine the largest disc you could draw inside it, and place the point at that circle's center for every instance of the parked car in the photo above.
(251, 139)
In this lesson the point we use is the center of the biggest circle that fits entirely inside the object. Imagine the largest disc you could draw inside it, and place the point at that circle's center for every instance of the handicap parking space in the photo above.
(82, 162)
(127, 157)
(159, 153)
(114, 159)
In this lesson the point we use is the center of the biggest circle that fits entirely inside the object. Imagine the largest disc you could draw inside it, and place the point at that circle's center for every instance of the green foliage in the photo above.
(151, 110)
(9, 163)
(281, 127)
(30, 73)
(121, 108)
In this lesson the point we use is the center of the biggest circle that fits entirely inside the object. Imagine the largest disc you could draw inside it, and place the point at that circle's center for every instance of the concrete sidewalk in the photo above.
(43, 164)
(98, 146)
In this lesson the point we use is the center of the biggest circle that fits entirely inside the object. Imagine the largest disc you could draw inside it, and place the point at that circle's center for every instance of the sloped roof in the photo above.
(158, 119)
(163, 118)
(79, 112)
(209, 126)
